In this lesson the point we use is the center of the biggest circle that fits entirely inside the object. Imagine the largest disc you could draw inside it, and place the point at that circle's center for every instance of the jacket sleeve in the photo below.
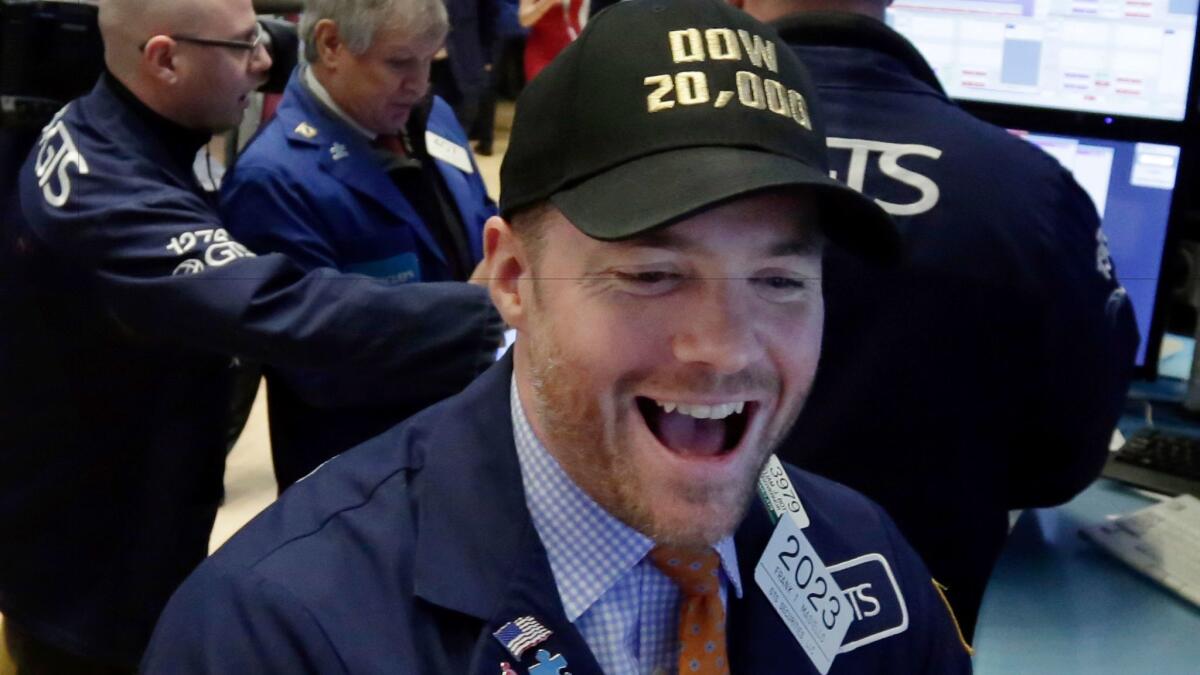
(1084, 359)
(266, 214)
(164, 268)
(224, 621)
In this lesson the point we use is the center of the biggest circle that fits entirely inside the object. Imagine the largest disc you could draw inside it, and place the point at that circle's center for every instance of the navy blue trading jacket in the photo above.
(987, 372)
(123, 299)
(310, 187)
(406, 553)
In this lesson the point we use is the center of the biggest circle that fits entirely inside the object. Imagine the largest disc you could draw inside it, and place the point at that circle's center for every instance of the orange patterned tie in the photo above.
(701, 614)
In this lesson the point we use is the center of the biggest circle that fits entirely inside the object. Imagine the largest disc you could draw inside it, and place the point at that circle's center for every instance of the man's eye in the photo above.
(781, 283)
(646, 277)
(778, 288)
(649, 282)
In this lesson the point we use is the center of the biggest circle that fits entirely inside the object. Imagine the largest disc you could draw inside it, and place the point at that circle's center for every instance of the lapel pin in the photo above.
(521, 634)
(548, 665)
(506, 668)
(338, 151)
(306, 130)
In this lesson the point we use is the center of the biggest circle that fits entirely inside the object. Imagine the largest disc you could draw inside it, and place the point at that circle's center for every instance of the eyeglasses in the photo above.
(260, 37)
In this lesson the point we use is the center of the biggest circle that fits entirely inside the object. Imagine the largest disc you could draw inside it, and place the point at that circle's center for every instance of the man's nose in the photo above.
(260, 59)
(417, 83)
(718, 330)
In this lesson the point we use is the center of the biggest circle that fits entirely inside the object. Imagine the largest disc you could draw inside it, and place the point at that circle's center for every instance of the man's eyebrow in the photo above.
(802, 244)
(663, 238)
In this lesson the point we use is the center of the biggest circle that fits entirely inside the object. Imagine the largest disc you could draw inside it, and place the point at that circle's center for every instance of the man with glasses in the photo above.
(250, 45)
(123, 300)
(362, 171)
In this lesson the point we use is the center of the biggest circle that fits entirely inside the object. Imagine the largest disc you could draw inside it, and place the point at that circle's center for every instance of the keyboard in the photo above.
(1158, 460)
(1160, 541)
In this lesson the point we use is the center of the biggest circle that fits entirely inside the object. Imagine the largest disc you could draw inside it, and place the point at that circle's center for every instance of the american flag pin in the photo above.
(521, 634)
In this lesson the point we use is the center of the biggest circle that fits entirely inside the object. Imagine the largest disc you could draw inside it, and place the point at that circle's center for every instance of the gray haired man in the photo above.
(363, 171)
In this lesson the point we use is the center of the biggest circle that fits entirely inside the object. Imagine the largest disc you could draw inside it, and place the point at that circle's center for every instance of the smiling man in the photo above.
(589, 505)
(659, 370)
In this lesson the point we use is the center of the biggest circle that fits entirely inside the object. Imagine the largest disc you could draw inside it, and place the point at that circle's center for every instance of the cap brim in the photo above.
(660, 189)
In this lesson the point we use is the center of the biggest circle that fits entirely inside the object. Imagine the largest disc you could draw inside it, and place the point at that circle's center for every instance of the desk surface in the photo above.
(1058, 604)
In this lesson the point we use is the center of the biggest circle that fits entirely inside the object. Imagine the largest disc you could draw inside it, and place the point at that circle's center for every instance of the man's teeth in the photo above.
(703, 412)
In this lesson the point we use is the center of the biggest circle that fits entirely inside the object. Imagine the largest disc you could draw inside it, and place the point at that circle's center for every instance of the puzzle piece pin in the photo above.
(549, 665)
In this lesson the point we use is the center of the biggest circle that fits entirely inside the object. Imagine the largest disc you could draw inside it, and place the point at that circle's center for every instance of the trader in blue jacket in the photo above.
(363, 172)
(588, 505)
(124, 301)
(987, 372)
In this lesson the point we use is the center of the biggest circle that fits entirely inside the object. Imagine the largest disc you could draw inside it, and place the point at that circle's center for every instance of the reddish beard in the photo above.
(575, 428)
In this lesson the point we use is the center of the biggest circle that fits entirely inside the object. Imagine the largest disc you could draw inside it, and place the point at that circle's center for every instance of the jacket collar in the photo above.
(318, 90)
(844, 29)
(113, 100)
(751, 621)
(346, 155)
(487, 532)
(473, 520)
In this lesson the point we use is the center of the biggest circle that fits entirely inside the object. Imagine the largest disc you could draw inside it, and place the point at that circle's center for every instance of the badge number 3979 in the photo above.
(804, 593)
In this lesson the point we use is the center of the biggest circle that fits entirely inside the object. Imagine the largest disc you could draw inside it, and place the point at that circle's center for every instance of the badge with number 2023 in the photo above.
(803, 592)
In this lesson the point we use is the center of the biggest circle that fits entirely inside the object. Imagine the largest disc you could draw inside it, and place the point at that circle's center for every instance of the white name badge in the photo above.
(803, 592)
(448, 151)
(778, 495)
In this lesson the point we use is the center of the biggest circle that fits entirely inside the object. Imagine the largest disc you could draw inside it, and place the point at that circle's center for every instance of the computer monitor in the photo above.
(1113, 57)
(1132, 185)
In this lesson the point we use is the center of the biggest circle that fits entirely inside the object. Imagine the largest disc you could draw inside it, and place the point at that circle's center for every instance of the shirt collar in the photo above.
(314, 85)
(588, 548)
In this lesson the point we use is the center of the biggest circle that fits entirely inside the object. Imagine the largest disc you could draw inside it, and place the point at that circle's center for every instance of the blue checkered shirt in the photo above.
(624, 607)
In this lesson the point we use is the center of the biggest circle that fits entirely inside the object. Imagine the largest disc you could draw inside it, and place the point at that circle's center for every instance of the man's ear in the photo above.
(328, 40)
(507, 263)
(158, 58)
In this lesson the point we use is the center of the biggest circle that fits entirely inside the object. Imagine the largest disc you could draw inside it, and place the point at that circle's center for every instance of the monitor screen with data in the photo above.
(1132, 185)
(1113, 57)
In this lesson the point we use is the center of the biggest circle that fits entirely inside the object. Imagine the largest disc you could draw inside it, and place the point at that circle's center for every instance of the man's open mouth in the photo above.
(697, 430)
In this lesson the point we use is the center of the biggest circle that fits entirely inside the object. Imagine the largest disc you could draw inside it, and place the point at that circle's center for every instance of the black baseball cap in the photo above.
(662, 108)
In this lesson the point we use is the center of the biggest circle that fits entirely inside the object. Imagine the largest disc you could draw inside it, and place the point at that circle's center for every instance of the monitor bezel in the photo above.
(1089, 120)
